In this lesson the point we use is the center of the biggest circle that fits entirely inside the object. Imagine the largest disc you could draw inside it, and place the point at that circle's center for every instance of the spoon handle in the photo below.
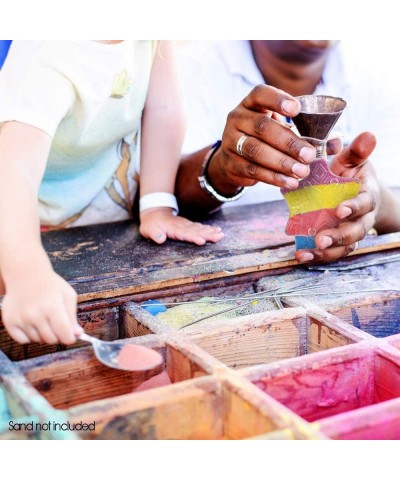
(87, 338)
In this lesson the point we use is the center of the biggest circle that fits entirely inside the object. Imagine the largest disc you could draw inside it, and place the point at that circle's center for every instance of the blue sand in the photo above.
(154, 307)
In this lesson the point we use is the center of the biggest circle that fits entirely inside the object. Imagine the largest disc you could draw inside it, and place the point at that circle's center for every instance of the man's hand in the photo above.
(357, 215)
(272, 153)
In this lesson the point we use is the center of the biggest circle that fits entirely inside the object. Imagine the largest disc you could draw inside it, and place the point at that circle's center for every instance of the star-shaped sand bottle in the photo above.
(312, 204)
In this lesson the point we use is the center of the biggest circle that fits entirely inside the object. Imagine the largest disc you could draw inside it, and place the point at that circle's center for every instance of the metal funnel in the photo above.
(318, 115)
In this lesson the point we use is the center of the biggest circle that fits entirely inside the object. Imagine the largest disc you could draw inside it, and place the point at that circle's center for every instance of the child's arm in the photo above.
(162, 137)
(38, 305)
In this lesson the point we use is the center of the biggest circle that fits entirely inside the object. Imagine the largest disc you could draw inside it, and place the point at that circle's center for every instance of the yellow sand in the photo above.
(183, 315)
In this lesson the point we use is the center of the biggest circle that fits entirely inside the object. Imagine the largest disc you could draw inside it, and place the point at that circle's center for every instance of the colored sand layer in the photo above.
(312, 205)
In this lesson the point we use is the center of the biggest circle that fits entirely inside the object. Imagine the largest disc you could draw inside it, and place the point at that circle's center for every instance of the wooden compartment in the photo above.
(190, 308)
(367, 298)
(394, 341)
(7, 412)
(75, 377)
(329, 383)
(114, 319)
(326, 331)
(375, 315)
(206, 408)
(308, 433)
(376, 422)
(29, 412)
(378, 316)
(271, 336)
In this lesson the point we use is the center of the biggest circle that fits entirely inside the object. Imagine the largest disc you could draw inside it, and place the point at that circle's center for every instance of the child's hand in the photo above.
(158, 224)
(41, 308)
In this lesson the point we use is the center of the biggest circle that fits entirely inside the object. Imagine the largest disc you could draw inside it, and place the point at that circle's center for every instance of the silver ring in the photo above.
(239, 145)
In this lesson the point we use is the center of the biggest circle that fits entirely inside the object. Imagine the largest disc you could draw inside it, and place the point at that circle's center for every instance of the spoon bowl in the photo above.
(128, 357)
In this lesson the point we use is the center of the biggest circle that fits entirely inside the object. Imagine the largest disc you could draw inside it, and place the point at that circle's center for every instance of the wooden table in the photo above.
(110, 265)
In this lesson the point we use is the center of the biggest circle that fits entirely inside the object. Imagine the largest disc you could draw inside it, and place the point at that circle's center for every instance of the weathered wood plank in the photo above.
(333, 382)
(75, 377)
(231, 266)
(321, 337)
(105, 250)
(111, 260)
(204, 408)
(253, 339)
(24, 400)
(179, 411)
(322, 390)
(379, 317)
(375, 422)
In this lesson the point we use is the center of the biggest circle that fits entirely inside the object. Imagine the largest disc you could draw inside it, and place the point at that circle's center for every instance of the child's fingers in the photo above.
(193, 232)
(187, 235)
(46, 334)
(20, 328)
(62, 328)
(159, 226)
(18, 335)
(154, 232)
(211, 234)
(71, 307)
(185, 231)
(33, 334)
(199, 234)
(77, 329)
(71, 303)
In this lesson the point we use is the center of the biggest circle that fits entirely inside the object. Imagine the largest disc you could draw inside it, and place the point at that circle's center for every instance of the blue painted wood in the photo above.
(4, 47)
(380, 320)
(36, 406)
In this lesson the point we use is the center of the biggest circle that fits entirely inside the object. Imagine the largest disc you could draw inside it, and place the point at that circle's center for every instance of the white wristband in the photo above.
(158, 199)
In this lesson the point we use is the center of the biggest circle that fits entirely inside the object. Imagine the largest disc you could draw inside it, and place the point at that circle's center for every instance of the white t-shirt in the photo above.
(216, 76)
(89, 98)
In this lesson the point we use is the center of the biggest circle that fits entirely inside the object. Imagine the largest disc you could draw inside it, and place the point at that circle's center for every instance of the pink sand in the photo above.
(136, 357)
(154, 382)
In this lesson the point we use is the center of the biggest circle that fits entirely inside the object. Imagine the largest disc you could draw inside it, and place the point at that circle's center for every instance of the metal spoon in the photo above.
(108, 354)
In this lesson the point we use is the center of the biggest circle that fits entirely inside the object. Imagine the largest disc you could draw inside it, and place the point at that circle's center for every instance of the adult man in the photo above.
(257, 148)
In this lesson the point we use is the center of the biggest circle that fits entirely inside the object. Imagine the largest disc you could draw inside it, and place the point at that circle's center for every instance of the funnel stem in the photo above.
(319, 145)
(321, 151)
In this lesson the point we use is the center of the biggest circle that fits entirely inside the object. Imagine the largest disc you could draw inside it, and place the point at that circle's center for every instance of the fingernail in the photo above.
(306, 257)
(325, 242)
(344, 212)
(291, 182)
(289, 106)
(300, 170)
(307, 154)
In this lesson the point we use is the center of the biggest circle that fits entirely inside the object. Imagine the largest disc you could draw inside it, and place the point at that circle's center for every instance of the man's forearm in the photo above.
(193, 200)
